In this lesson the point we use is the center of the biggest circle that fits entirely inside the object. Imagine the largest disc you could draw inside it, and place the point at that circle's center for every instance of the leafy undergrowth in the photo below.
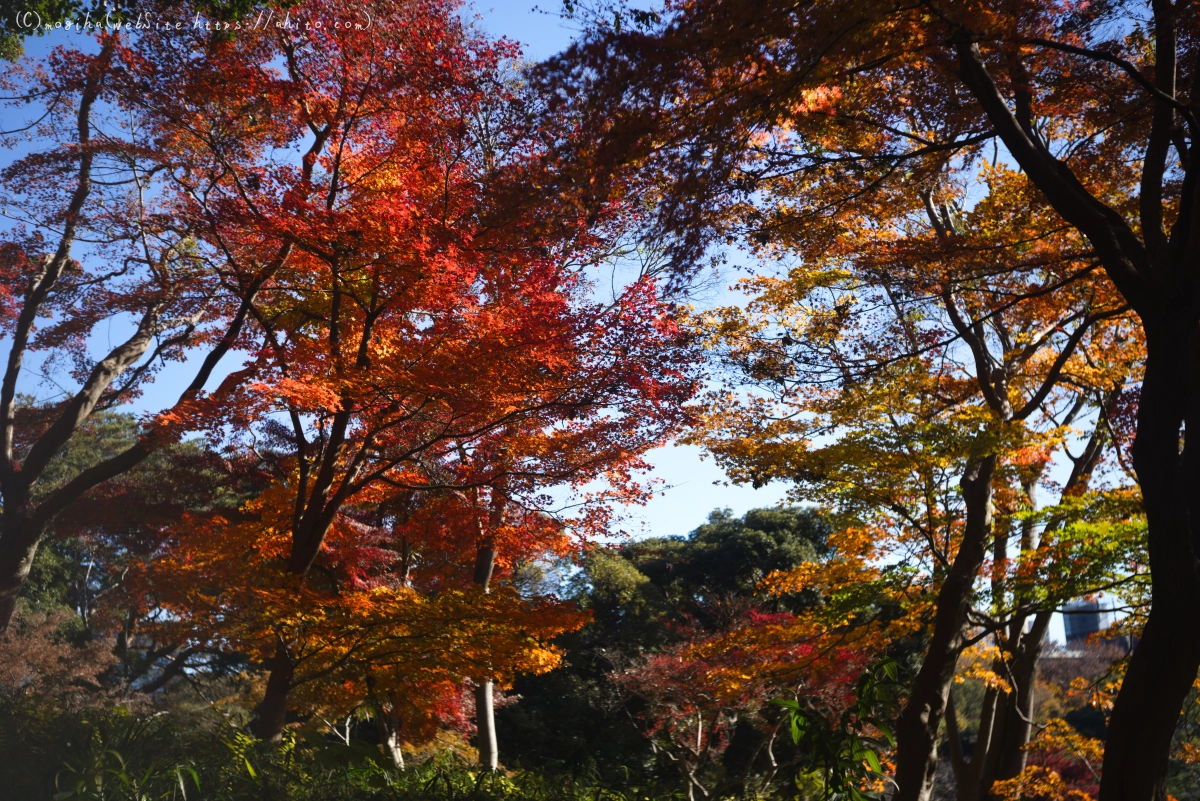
(115, 755)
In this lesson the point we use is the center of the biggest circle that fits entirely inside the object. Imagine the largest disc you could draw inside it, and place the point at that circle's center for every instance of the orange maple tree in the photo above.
(426, 332)
(927, 414)
(887, 387)
(735, 106)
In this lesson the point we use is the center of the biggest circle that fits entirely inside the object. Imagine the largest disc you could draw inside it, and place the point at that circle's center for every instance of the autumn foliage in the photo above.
(425, 351)
(420, 310)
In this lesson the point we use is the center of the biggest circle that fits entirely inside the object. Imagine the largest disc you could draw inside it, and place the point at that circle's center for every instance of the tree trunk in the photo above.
(272, 711)
(1003, 756)
(387, 721)
(1161, 672)
(391, 744)
(1159, 285)
(485, 563)
(967, 774)
(485, 722)
(485, 712)
(1005, 722)
(18, 547)
(1164, 662)
(917, 729)
(1014, 726)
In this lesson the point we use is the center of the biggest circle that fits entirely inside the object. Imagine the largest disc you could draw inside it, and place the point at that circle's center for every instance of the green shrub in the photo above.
(112, 754)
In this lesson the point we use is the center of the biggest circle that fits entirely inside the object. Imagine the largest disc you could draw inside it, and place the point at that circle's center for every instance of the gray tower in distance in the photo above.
(1083, 617)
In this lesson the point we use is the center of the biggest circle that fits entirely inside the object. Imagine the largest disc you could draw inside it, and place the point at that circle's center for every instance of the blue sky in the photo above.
(537, 27)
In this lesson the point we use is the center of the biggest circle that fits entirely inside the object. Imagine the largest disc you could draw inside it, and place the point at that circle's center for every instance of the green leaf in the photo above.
(883, 729)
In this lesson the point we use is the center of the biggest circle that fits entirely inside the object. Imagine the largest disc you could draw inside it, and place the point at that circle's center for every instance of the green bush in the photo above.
(112, 754)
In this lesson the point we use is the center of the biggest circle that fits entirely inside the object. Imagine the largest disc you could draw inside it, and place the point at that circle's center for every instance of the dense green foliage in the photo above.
(645, 596)
(114, 755)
